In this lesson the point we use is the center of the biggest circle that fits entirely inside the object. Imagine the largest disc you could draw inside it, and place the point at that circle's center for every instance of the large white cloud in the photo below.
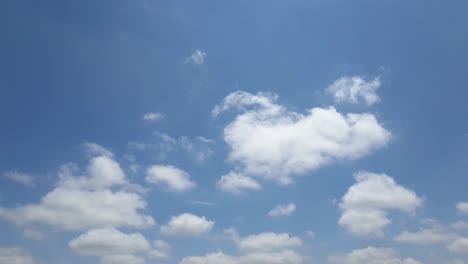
(371, 255)
(187, 225)
(109, 241)
(14, 255)
(366, 203)
(237, 183)
(271, 142)
(171, 177)
(282, 210)
(354, 89)
(81, 203)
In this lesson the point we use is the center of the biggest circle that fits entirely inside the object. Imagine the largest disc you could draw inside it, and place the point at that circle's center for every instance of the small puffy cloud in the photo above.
(14, 255)
(366, 203)
(174, 179)
(94, 149)
(354, 89)
(21, 178)
(282, 210)
(462, 207)
(187, 225)
(153, 116)
(160, 251)
(236, 183)
(198, 57)
(84, 202)
(426, 236)
(122, 259)
(109, 241)
(460, 245)
(270, 142)
(269, 241)
(371, 255)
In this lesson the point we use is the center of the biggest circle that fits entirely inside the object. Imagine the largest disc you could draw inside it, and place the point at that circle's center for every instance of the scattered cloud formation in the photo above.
(371, 255)
(462, 207)
(282, 210)
(460, 245)
(187, 225)
(174, 179)
(14, 255)
(198, 57)
(84, 202)
(355, 89)
(21, 178)
(153, 116)
(366, 203)
(236, 183)
(270, 142)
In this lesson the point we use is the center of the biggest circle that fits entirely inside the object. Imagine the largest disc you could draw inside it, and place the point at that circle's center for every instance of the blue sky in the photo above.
(239, 132)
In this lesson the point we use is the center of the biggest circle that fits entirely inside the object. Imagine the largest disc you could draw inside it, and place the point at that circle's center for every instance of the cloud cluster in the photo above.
(270, 142)
(366, 203)
(97, 200)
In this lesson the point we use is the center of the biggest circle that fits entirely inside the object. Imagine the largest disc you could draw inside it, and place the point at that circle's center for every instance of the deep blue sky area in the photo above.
(190, 123)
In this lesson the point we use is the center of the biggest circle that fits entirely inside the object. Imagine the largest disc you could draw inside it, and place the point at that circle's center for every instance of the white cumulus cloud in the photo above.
(271, 142)
(354, 89)
(366, 203)
(371, 255)
(84, 202)
(108, 241)
(236, 183)
(269, 241)
(282, 210)
(171, 177)
(187, 225)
